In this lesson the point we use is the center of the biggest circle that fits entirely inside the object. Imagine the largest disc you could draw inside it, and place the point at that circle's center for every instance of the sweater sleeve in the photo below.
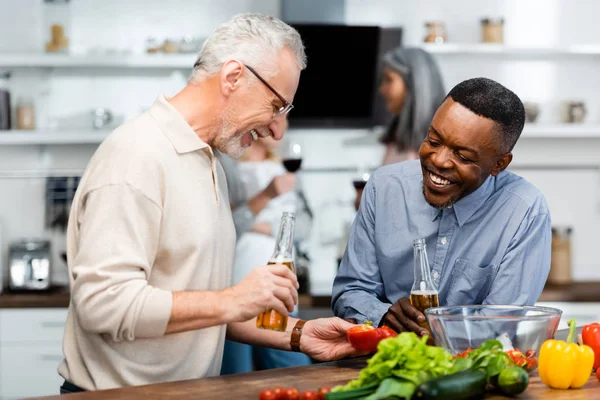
(119, 232)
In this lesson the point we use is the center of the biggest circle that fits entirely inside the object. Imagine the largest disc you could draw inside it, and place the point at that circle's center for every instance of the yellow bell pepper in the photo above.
(564, 365)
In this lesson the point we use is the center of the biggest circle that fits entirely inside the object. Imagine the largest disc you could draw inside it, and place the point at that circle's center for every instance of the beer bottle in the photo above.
(424, 292)
(281, 255)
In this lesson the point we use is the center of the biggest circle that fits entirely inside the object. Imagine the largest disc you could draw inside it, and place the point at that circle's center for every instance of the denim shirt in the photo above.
(491, 247)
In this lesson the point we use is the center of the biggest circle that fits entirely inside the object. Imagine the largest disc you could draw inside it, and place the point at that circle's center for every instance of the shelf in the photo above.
(531, 131)
(499, 49)
(43, 60)
(561, 131)
(51, 137)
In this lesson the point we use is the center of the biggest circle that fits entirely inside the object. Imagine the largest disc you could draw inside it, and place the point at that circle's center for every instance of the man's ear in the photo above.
(231, 76)
(502, 163)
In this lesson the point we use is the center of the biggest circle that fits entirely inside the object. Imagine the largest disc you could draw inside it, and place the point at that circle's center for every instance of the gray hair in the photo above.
(251, 38)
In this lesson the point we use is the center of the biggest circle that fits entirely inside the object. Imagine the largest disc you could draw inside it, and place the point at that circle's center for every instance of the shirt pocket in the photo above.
(469, 283)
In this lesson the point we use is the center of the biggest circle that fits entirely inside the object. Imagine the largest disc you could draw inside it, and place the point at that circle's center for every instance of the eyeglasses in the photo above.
(287, 107)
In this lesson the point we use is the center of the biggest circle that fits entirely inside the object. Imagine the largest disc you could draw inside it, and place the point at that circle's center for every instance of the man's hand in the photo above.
(324, 339)
(281, 184)
(271, 287)
(402, 316)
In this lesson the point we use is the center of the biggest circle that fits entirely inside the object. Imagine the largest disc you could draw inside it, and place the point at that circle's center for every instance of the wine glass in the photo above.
(292, 157)
(361, 177)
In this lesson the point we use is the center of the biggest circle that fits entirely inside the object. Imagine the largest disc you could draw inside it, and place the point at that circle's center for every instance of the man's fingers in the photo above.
(411, 312)
(392, 322)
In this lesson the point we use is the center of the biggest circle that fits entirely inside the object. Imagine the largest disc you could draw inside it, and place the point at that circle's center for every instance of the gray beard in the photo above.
(230, 145)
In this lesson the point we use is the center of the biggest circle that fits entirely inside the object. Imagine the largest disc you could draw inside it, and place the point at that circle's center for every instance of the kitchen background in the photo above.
(550, 56)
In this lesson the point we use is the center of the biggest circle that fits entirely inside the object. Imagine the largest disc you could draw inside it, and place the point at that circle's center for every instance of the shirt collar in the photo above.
(176, 129)
(467, 206)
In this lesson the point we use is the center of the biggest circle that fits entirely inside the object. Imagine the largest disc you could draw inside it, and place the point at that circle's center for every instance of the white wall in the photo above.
(528, 23)
(572, 194)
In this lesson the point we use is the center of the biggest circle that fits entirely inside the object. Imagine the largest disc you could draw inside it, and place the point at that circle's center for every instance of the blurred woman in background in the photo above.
(413, 89)
(255, 170)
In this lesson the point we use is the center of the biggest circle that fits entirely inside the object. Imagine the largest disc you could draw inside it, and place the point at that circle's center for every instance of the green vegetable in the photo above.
(513, 380)
(465, 385)
(393, 388)
(359, 393)
(407, 357)
(489, 358)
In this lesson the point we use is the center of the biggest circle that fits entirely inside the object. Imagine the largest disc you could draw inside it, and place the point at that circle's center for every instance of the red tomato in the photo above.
(292, 394)
(322, 392)
(310, 395)
(363, 338)
(267, 394)
(598, 374)
(280, 393)
(366, 338)
(387, 332)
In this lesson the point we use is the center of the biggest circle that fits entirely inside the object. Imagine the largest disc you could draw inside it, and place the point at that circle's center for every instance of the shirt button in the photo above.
(450, 206)
(436, 275)
(444, 241)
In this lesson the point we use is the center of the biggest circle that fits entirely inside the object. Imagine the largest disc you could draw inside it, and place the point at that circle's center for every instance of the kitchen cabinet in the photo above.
(30, 351)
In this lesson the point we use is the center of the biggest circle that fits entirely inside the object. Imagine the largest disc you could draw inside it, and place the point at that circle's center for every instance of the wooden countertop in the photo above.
(249, 386)
(59, 297)
(54, 298)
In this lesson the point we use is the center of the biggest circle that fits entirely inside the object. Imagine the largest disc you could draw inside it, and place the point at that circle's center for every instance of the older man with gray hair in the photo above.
(150, 236)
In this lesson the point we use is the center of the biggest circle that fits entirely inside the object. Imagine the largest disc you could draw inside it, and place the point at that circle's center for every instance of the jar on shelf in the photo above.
(436, 32)
(560, 265)
(492, 30)
(57, 25)
(25, 114)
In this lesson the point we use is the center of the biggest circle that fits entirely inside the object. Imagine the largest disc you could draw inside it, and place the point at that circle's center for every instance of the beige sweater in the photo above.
(151, 216)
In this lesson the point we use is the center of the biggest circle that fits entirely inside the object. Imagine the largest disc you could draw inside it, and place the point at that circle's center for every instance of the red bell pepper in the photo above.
(526, 361)
(366, 337)
(591, 337)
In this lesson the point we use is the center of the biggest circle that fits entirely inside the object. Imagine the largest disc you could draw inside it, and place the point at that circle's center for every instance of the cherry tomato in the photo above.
(322, 392)
(280, 393)
(309, 395)
(292, 394)
(267, 394)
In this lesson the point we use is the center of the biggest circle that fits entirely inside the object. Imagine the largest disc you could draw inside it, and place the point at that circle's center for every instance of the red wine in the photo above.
(292, 164)
(359, 184)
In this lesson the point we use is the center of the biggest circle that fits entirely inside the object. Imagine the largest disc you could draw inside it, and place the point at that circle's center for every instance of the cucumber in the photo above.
(466, 385)
(352, 394)
(513, 380)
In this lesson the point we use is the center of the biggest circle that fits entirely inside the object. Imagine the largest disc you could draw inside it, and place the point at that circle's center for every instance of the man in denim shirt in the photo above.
(487, 230)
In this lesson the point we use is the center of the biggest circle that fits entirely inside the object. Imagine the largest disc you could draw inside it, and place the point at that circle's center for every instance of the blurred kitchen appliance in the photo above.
(29, 263)
(325, 98)
(560, 266)
(60, 191)
(4, 102)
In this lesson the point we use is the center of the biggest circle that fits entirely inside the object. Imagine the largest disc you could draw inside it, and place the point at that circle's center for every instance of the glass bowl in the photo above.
(526, 328)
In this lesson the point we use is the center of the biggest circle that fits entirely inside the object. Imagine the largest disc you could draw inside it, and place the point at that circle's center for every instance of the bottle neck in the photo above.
(422, 278)
(285, 238)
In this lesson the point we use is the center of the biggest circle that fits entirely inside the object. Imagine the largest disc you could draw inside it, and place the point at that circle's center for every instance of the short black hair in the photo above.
(491, 100)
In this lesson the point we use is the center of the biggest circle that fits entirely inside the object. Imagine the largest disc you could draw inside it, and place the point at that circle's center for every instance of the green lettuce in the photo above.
(406, 357)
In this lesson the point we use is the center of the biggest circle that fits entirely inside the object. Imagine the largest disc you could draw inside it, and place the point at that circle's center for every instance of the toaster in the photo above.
(29, 265)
